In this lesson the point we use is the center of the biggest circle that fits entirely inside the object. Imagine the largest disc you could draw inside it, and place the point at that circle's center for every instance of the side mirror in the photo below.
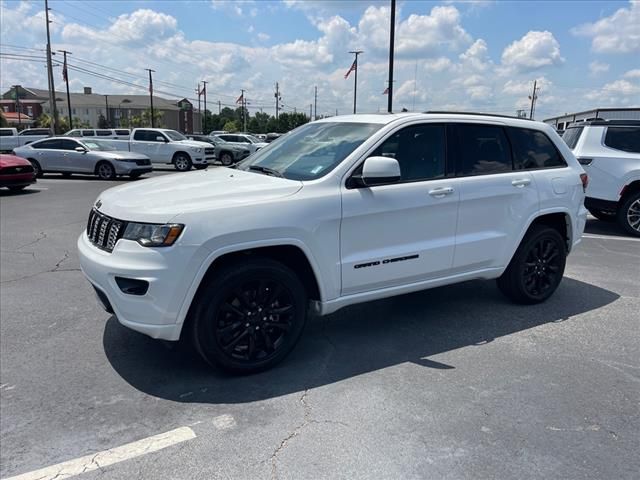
(378, 171)
(81, 149)
(160, 138)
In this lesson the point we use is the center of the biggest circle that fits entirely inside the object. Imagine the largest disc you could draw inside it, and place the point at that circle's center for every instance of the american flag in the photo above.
(65, 77)
(351, 69)
(240, 98)
(386, 91)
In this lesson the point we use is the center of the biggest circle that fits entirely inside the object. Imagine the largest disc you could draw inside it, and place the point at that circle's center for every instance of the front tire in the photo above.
(226, 159)
(629, 214)
(17, 189)
(537, 267)
(182, 162)
(249, 316)
(37, 169)
(105, 171)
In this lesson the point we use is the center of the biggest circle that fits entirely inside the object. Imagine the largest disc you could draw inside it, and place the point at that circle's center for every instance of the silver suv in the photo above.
(609, 151)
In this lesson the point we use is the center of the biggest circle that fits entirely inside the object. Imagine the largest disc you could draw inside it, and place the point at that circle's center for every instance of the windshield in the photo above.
(311, 151)
(173, 135)
(99, 145)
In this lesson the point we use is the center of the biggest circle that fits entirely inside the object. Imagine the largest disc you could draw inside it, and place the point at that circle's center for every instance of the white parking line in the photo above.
(105, 458)
(608, 237)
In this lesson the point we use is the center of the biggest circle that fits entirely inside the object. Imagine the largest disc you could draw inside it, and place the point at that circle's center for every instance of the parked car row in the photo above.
(10, 138)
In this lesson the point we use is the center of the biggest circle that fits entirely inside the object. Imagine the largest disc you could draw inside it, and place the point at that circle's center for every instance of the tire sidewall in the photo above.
(521, 257)
(229, 158)
(36, 166)
(111, 176)
(216, 292)
(622, 214)
(182, 156)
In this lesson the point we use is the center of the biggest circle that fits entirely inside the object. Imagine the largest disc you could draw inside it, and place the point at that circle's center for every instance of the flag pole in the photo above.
(355, 80)
(65, 77)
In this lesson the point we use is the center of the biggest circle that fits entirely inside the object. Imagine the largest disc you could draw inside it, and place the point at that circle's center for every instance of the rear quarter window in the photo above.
(103, 133)
(481, 149)
(626, 139)
(571, 136)
(532, 150)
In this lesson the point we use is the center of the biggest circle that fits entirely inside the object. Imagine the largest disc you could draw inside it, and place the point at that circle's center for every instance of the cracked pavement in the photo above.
(451, 383)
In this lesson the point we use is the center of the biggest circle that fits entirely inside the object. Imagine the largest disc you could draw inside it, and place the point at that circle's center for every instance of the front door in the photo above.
(404, 232)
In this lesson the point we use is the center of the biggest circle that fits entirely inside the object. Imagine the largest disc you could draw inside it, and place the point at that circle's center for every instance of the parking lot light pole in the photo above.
(151, 96)
(392, 33)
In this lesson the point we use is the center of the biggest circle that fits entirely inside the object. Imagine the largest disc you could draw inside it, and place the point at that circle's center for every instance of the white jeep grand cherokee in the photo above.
(340, 211)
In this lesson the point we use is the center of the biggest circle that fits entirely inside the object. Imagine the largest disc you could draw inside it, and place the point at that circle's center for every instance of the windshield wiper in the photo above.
(266, 170)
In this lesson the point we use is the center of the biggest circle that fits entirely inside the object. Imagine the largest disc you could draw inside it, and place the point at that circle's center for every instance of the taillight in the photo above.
(585, 161)
(584, 178)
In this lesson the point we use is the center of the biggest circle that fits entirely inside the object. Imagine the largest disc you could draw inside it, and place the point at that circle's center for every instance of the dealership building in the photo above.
(563, 121)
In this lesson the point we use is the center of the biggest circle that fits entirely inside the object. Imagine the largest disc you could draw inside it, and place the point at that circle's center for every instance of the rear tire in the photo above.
(249, 316)
(66, 175)
(629, 214)
(602, 215)
(182, 162)
(134, 176)
(17, 189)
(537, 267)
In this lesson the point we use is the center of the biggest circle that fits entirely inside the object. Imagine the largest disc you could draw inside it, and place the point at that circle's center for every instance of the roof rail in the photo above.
(603, 122)
(477, 113)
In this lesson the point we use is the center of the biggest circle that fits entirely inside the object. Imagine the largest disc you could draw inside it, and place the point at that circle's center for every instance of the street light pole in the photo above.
(151, 96)
(52, 93)
(16, 91)
(65, 77)
(355, 79)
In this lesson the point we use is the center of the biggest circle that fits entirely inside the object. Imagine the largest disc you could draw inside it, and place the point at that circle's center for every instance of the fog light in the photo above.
(132, 286)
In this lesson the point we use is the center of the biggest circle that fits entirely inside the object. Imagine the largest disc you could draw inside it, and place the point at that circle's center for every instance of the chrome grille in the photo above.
(208, 151)
(104, 231)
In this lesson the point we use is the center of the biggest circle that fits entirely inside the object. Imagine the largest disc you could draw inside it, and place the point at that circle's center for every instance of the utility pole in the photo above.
(355, 79)
(277, 95)
(392, 34)
(199, 109)
(533, 97)
(65, 77)
(151, 96)
(219, 107)
(106, 106)
(310, 111)
(204, 91)
(16, 92)
(315, 103)
(244, 115)
(52, 94)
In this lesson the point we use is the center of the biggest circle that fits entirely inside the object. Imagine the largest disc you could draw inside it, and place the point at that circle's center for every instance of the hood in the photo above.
(12, 161)
(160, 199)
(194, 143)
(261, 144)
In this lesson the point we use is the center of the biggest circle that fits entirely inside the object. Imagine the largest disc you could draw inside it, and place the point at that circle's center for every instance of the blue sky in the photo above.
(477, 55)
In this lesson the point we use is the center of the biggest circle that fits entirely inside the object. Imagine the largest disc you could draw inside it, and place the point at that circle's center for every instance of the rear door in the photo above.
(495, 200)
(404, 232)
(48, 153)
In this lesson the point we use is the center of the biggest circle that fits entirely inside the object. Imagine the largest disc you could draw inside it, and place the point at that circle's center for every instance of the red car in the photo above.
(16, 173)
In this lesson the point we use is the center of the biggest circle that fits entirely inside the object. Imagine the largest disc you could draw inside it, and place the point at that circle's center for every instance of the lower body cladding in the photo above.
(145, 288)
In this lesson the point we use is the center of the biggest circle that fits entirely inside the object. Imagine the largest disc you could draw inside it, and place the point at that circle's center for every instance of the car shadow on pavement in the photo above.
(354, 341)
(17, 193)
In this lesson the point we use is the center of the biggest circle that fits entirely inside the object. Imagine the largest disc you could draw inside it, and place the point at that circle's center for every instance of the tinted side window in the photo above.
(5, 133)
(103, 133)
(420, 151)
(571, 136)
(228, 138)
(123, 132)
(74, 133)
(87, 133)
(626, 139)
(481, 149)
(141, 135)
(533, 149)
(50, 144)
(68, 144)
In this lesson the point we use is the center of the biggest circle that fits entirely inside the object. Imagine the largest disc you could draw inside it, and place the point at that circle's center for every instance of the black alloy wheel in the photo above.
(537, 267)
(250, 316)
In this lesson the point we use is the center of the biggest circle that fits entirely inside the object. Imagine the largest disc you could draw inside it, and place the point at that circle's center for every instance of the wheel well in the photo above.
(289, 255)
(558, 221)
(173, 159)
(633, 187)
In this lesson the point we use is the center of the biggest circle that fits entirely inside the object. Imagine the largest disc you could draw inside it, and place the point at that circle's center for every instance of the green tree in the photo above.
(3, 121)
(102, 122)
(231, 126)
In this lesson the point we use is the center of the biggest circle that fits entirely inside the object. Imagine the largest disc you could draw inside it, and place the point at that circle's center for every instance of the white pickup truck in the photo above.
(10, 138)
(164, 146)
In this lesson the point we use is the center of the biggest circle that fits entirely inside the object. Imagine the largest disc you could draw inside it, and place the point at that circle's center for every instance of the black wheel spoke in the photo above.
(281, 310)
(267, 341)
(231, 345)
(278, 325)
(228, 307)
(230, 328)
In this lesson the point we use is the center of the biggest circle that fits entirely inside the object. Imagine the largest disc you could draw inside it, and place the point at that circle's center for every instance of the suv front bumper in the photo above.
(168, 271)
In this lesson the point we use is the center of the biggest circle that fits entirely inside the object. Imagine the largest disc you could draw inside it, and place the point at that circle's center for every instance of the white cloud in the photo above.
(477, 56)
(622, 92)
(263, 37)
(618, 33)
(635, 73)
(597, 68)
(533, 51)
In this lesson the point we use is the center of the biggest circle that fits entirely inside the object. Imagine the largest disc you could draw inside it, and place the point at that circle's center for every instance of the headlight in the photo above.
(152, 235)
(196, 149)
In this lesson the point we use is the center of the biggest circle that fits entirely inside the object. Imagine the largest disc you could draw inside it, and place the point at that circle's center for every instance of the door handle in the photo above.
(441, 192)
(521, 182)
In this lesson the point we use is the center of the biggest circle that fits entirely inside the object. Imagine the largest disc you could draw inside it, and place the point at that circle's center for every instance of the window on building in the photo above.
(86, 111)
(5, 109)
(74, 111)
(30, 111)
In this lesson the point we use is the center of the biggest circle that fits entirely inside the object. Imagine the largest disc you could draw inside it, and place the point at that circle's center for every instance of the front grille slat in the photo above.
(104, 231)
(18, 169)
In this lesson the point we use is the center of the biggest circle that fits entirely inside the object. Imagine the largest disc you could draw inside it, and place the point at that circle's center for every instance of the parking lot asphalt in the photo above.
(450, 383)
